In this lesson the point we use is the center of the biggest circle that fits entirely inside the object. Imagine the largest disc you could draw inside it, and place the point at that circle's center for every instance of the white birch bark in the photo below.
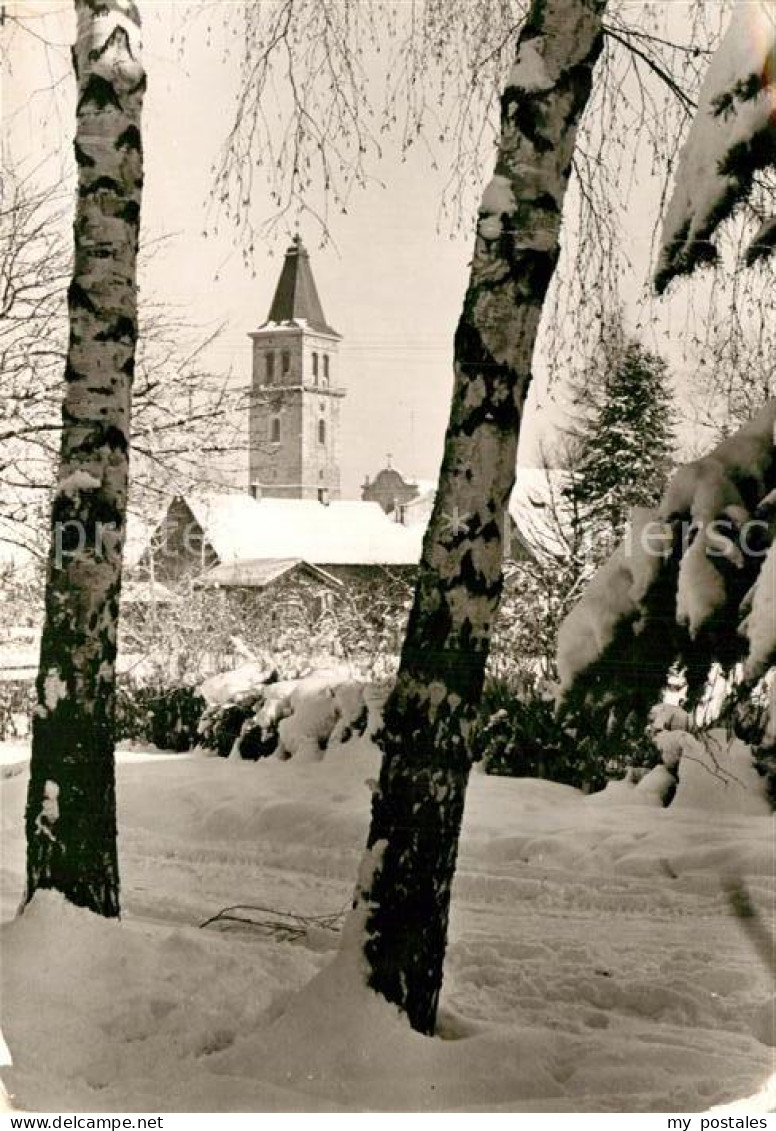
(418, 805)
(71, 808)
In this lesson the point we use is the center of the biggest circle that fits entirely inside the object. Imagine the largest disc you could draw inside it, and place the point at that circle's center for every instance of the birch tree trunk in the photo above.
(71, 804)
(404, 895)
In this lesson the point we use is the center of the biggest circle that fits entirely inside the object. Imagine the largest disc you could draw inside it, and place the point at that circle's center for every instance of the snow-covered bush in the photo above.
(704, 769)
(713, 769)
(167, 716)
(238, 726)
(253, 714)
(520, 734)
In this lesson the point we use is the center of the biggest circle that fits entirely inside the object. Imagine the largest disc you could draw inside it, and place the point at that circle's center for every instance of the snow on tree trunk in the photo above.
(418, 805)
(733, 135)
(71, 805)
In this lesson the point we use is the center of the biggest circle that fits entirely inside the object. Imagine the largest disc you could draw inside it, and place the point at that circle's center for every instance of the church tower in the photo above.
(294, 423)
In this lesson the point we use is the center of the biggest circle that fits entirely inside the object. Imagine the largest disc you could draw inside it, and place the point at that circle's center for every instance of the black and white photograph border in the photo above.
(387, 560)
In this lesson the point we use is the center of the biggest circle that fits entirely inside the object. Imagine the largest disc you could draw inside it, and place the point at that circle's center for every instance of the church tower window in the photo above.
(286, 361)
(269, 367)
(321, 431)
(326, 368)
(275, 430)
(315, 368)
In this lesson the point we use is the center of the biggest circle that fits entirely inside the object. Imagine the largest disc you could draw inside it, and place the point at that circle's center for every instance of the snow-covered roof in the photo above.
(240, 527)
(257, 573)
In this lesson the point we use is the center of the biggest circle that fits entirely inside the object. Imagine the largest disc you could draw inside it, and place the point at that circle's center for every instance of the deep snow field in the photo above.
(593, 964)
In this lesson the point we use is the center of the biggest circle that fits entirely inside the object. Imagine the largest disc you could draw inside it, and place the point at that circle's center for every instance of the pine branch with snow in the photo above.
(692, 584)
(732, 137)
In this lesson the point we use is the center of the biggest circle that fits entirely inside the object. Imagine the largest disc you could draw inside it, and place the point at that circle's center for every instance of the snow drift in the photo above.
(592, 964)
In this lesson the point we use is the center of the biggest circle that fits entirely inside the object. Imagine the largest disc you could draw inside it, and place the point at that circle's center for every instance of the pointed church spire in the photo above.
(296, 296)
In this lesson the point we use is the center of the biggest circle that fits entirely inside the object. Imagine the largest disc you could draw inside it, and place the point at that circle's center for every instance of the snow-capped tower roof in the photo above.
(296, 295)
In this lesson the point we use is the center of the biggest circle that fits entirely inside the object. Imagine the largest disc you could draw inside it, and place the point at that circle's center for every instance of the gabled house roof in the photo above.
(259, 573)
(267, 537)
(296, 300)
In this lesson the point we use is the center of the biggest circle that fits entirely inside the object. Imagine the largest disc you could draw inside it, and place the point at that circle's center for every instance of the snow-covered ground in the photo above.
(592, 966)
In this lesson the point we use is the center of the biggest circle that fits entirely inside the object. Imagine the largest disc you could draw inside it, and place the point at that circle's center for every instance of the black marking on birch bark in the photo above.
(129, 212)
(117, 38)
(116, 439)
(122, 329)
(527, 115)
(140, 86)
(82, 158)
(99, 92)
(72, 375)
(475, 581)
(437, 627)
(101, 436)
(130, 139)
(475, 361)
(100, 184)
(80, 299)
(533, 28)
(533, 271)
(546, 202)
(745, 90)
(98, 511)
(104, 8)
(743, 160)
(578, 79)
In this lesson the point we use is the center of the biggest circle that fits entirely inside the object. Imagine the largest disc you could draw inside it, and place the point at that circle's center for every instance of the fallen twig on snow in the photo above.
(288, 925)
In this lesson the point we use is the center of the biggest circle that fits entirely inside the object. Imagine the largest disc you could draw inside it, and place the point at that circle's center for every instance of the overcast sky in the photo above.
(391, 281)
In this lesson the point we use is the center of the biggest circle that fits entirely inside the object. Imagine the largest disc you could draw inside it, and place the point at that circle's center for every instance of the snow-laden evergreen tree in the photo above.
(623, 448)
